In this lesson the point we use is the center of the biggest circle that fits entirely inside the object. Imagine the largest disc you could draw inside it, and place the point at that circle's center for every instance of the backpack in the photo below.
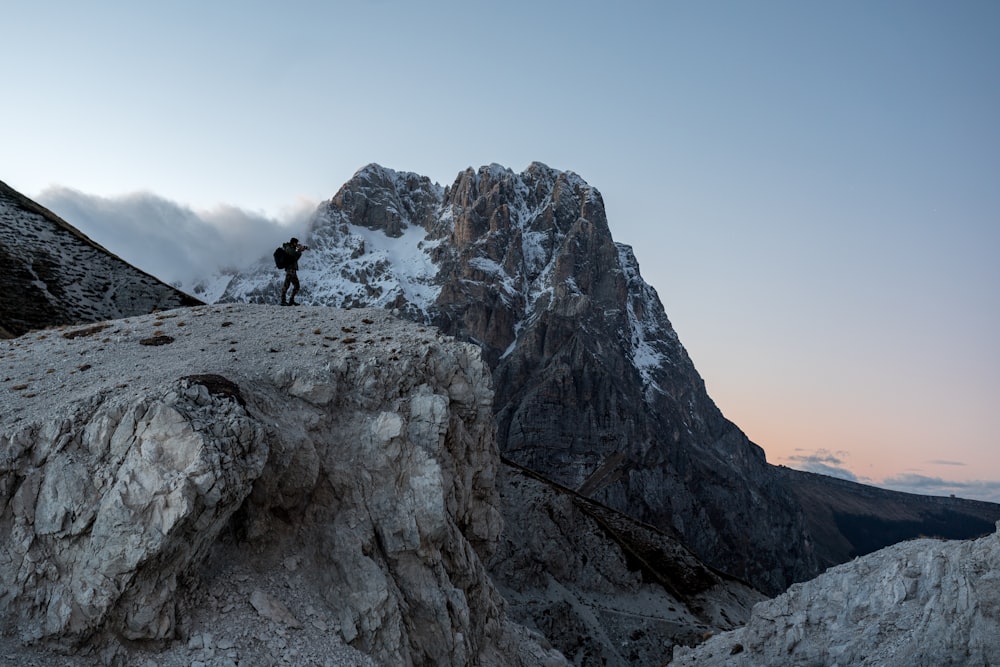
(280, 257)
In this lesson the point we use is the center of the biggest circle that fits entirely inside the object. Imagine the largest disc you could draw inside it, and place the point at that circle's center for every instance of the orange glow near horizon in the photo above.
(874, 446)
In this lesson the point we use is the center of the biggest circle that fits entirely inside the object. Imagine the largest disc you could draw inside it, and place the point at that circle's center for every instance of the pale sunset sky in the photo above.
(813, 188)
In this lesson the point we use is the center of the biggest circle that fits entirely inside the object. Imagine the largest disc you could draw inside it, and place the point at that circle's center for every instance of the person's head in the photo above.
(294, 241)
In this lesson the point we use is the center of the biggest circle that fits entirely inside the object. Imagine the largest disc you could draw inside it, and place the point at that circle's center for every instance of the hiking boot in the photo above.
(284, 303)
(292, 303)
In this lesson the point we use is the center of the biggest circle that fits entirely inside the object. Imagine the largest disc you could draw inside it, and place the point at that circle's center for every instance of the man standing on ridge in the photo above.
(294, 250)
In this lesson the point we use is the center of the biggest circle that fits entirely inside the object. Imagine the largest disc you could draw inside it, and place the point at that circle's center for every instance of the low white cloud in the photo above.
(823, 462)
(177, 244)
(834, 464)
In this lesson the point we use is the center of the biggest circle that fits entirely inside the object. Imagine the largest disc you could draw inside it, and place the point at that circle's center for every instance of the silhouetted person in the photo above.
(294, 250)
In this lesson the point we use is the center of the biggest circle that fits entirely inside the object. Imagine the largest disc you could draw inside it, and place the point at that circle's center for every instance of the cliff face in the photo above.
(342, 463)
(593, 388)
(52, 274)
(603, 588)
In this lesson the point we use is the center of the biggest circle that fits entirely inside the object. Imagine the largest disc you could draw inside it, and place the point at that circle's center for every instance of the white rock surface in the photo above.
(265, 486)
(919, 603)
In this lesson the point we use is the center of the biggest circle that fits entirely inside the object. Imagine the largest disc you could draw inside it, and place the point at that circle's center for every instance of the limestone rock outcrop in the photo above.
(921, 603)
(252, 484)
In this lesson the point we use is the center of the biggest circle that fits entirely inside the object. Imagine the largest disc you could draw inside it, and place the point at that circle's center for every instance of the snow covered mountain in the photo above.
(593, 389)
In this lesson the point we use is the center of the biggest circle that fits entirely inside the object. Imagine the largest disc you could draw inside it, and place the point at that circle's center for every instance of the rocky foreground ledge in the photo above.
(250, 485)
(923, 603)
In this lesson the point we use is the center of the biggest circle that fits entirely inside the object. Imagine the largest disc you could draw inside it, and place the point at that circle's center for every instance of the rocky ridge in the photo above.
(52, 274)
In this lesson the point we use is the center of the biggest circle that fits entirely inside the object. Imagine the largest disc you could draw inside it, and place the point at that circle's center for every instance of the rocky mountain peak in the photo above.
(593, 388)
(381, 199)
(541, 200)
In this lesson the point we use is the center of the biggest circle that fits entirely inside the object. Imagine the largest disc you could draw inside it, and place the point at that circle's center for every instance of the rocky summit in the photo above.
(593, 388)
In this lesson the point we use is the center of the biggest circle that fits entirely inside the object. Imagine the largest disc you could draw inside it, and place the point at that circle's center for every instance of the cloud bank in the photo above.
(177, 244)
(834, 464)
(823, 462)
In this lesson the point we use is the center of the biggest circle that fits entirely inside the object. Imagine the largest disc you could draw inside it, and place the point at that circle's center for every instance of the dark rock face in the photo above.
(603, 588)
(377, 198)
(597, 393)
(52, 274)
(593, 389)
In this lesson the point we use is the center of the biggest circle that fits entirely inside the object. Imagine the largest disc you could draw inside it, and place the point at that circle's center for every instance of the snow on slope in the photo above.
(371, 268)
(356, 267)
(368, 265)
(646, 331)
(208, 289)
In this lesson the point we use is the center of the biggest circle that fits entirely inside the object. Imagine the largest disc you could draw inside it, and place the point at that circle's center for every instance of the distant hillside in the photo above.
(848, 519)
(52, 274)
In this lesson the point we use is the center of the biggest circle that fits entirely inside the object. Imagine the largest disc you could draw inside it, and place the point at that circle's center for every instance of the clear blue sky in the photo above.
(812, 187)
